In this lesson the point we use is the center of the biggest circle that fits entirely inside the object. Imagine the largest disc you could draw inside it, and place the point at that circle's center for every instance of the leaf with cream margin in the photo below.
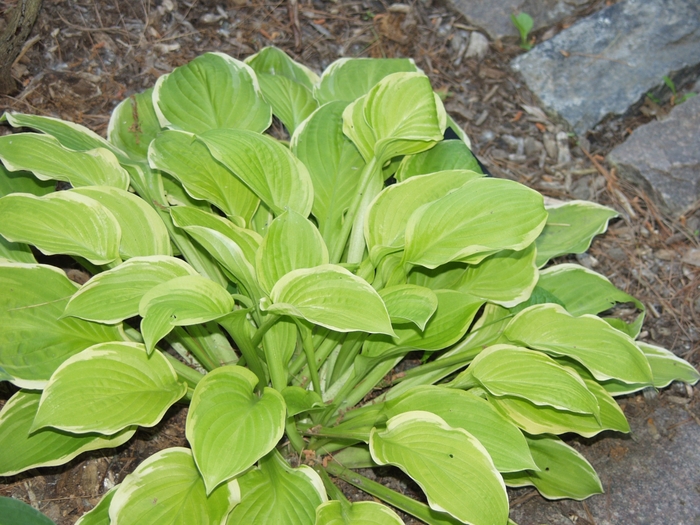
(35, 338)
(99, 514)
(451, 466)
(21, 449)
(273, 61)
(606, 352)
(482, 217)
(230, 426)
(61, 223)
(409, 303)
(109, 387)
(358, 513)
(213, 91)
(134, 124)
(330, 296)
(666, 367)
(446, 155)
(167, 489)
(291, 102)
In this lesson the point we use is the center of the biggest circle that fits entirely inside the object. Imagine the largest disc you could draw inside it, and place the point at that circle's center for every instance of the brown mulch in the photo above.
(85, 56)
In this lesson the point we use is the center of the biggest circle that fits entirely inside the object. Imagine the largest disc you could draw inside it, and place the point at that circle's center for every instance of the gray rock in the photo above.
(493, 16)
(607, 62)
(664, 157)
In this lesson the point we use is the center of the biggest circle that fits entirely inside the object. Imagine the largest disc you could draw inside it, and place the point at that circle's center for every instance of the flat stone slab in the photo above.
(493, 16)
(664, 158)
(607, 62)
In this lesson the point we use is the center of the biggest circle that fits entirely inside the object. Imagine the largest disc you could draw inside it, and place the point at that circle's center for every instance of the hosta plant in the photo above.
(276, 286)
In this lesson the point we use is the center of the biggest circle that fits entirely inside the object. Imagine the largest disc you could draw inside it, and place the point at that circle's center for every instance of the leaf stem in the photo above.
(184, 372)
(333, 491)
(264, 327)
(180, 335)
(293, 435)
(308, 347)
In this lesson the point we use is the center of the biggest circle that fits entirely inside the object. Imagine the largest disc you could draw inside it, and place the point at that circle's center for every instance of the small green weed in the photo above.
(523, 22)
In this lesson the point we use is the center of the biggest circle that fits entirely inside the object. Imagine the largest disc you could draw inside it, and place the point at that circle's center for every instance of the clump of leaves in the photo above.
(675, 99)
(523, 23)
(274, 286)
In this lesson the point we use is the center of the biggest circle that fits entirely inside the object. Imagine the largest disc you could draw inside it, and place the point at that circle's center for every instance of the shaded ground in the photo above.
(85, 56)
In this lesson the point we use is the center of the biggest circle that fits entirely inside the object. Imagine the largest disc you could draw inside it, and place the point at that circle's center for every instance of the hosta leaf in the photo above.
(14, 511)
(583, 291)
(123, 286)
(445, 155)
(505, 278)
(274, 61)
(505, 370)
(606, 352)
(358, 513)
(334, 165)
(279, 344)
(503, 441)
(109, 387)
(300, 400)
(409, 303)
(34, 339)
(570, 229)
(330, 296)
(134, 124)
(21, 450)
(480, 218)
(252, 157)
(23, 182)
(213, 91)
(44, 156)
(167, 489)
(347, 79)
(564, 473)
(276, 493)
(292, 242)
(291, 102)
(99, 515)
(229, 426)
(400, 115)
(182, 301)
(391, 210)
(666, 367)
(62, 222)
(450, 465)
(16, 252)
(142, 230)
(188, 160)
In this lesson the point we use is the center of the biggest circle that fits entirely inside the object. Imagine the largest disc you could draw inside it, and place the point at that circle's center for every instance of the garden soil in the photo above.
(84, 56)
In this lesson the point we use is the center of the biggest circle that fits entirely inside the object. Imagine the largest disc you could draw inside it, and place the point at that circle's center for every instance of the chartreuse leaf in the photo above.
(23, 182)
(44, 156)
(182, 301)
(501, 438)
(142, 230)
(547, 420)
(334, 165)
(14, 511)
(564, 473)
(451, 466)
(570, 229)
(400, 115)
(409, 303)
(330, 296)
(274, 61)
(666, 367)
(229, 426)
(291, 102)
(292, 242)
(34, 339)
(213, 91)
(16, 252)
(252, 157)
(480, 218)
(276, 493)
(134, 124)
(189, 161)
(606, 352)
(506, 278)
(506, 370)
(99, 514)
(347, 79)
(109, 387)
(124, 286)
(358, 513)
(300, 400)
(63, 222)
(447, 155)
(583, 291)
(21, 449)
(391, 210)
(167, 489)
(279, 344)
